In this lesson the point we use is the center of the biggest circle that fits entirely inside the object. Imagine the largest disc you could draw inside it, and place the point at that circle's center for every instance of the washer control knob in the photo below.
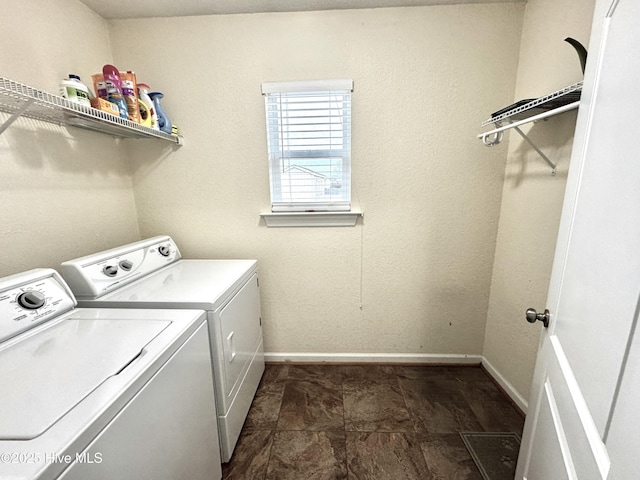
(31, 300)
(126, 265)
(110, 270)
(164, 250)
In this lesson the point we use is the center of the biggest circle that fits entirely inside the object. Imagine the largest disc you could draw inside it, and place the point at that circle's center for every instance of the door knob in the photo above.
(533, 316)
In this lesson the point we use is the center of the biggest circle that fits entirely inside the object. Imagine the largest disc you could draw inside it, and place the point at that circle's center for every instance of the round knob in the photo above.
(31, 300)
(110, 270)
(126, 265)
(164, 250)
(533, 316)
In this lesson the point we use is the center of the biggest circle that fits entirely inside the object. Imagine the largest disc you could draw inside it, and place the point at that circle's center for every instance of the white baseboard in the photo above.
(301, 357)
(418, 358)
(509, 389)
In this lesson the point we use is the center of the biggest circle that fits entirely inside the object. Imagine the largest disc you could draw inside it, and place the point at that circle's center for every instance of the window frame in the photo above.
(277, 155)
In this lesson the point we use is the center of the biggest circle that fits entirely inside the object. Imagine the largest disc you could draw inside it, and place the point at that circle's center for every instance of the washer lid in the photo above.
(48, 373)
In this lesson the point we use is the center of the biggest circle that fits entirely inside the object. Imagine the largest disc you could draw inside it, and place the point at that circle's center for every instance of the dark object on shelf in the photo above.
(519, 103)
(582, 52)
(541, 107)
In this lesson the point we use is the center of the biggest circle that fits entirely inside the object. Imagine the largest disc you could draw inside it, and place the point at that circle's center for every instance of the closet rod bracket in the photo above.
(540, 152)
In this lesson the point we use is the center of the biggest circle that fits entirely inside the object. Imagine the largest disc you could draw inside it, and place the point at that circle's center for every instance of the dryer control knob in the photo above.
(126, 265)
(164, 250)
(31, 300)
(110, 270)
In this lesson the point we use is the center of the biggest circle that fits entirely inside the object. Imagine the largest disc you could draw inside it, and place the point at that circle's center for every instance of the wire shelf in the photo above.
(532, 110)
(18, 99)
(554, 100)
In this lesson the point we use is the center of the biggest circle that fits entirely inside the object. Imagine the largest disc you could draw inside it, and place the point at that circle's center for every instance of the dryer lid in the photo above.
(45, 375)
(201, 284)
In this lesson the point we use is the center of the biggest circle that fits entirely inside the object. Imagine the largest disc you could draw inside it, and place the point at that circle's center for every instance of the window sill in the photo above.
(311, 219)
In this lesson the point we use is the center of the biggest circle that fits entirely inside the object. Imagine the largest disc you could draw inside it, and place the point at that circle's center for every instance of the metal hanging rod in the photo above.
(535, 118)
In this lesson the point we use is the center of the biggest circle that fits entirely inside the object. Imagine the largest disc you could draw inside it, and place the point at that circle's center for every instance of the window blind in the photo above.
(309, 144)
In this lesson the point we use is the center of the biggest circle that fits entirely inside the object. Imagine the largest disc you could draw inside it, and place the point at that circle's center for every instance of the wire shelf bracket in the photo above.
(561, 101)
(17, 114)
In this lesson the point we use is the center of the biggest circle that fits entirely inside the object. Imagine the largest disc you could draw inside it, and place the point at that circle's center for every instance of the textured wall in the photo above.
(420, 262)
(63, 193)
(532, 198)
(414, 275)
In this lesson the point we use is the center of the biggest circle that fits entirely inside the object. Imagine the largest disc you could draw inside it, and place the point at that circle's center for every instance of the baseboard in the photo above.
(509, 389)
(408, 358)
(425, 358)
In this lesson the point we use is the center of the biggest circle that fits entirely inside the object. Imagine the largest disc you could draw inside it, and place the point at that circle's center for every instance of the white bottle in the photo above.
(143, 94)
(75, 91)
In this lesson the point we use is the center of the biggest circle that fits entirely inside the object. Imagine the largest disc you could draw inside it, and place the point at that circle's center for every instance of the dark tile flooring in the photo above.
(367, 422)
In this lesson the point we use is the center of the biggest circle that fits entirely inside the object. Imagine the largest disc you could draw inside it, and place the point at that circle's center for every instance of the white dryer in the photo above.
(97, 394)
(152, 274)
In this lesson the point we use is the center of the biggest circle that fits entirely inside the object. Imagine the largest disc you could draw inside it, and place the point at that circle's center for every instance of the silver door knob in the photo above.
(533, 316)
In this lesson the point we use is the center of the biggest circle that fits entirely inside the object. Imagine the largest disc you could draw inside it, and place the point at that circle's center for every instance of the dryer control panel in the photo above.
(92, 276)
(31, 298)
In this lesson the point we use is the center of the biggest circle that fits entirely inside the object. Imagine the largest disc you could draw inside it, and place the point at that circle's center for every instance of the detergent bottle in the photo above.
(143, 95)
(74, 90)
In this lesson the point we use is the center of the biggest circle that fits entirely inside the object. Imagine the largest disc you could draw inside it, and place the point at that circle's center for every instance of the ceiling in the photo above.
(111, 9)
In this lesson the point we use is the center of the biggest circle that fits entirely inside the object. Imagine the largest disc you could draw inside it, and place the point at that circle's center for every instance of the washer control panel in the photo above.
(31, 298)
(95, 275)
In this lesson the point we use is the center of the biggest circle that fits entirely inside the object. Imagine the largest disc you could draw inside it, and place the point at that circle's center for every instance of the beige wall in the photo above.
(63, 193)
(532, 198)
(412, 277)
(419, 264)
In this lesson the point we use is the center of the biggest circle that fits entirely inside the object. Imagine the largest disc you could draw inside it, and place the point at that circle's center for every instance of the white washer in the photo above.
(101, 393)
(152, 274)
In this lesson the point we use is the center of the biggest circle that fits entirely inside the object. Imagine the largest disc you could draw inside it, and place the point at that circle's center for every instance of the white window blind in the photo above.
(309, 142)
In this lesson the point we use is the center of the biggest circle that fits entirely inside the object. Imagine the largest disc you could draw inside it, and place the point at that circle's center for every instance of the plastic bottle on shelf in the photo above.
(130, 95)
(74, 90)
(114, 89)
(164, 122)
(143, 95)
(145, 114)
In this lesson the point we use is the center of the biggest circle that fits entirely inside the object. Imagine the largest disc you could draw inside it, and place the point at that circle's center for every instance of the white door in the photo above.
(595, 283)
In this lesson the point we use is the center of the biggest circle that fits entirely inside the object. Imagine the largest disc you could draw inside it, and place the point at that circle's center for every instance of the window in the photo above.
(309, 142)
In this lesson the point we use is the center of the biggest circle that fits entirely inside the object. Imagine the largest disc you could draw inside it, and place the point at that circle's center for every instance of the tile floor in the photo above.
(367, 422)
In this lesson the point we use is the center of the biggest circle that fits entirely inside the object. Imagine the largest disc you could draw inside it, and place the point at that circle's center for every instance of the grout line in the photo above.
(406, 405)
(275, 428)
(504, 393)
(344, 430)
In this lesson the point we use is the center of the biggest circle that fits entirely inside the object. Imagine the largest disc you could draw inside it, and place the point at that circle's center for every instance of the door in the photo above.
(595, 282)
(241, 333)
